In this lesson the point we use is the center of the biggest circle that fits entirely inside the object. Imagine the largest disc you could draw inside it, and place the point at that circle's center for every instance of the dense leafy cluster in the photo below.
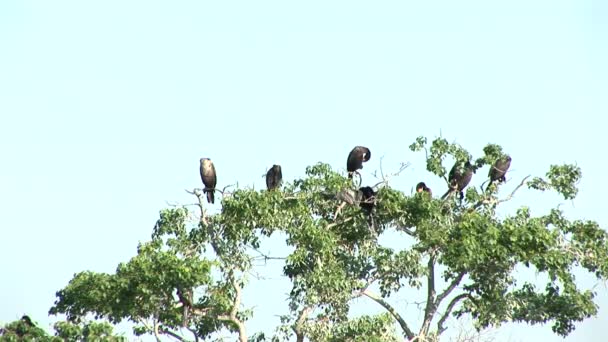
(192, 272)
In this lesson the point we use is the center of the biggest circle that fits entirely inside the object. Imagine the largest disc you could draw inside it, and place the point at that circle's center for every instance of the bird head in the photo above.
(366, 154)
(420, 187)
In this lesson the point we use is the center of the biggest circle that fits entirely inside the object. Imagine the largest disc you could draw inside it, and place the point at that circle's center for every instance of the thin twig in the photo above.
(508, 198)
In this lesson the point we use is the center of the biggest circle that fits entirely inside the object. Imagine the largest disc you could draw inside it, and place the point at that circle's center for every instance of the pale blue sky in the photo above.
(106, 108)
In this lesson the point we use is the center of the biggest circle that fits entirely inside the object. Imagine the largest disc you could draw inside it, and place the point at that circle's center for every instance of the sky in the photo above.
(106, 108)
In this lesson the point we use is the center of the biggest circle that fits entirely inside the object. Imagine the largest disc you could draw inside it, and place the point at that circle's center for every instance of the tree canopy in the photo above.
(189, 277)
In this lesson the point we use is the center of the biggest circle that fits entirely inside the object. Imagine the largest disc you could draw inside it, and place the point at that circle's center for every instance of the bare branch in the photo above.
(172, 334)
(408, 332)
(492, 200)
(406, 230)
(450, 288)
(337, 223)
(386, 179)
(297, 327)
(235, 307)
(508, 198)
(156, 333)
(448, 310)
(429, 311)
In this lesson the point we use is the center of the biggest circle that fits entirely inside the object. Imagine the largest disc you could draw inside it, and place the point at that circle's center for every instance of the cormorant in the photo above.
(498, 171)
(420, 187)
(27, 320)
(368, 199)
(356, 158)
(274, 177)
(459, 178)
(209, 178)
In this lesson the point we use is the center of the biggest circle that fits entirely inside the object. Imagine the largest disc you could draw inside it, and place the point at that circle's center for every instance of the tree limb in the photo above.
(491, 200)
(156, 334)
(429, 311)
(172, 334)
(297, 327)
(235, 307)
(508, 198)
(450, 288)
(448, 310)
(410, 335)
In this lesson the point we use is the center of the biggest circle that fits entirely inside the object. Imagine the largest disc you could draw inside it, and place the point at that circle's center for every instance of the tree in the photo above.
(25, 330)
(461, 255)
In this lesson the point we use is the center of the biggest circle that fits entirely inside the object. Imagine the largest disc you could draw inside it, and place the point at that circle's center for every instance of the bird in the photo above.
(459, 178)
(421, 187)
(27, 320)
(498, 171)
(368, 199)
(209, 178)
(274, 177)
(356, 158)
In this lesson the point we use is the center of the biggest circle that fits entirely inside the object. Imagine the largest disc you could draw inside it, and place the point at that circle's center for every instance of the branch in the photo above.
(429, 311)
(193, 333)
(297, 327)
(406, 230)
(448, 310)
(450, 288)
(490, 200)
(508, 198)
(156, 331)
(385, 179)
(410, 335)
(172, 334)
(337, 223)
(235, 307)
(199, 195)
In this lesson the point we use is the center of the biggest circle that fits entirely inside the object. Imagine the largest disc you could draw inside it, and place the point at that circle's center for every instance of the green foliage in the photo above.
(194, 268)
(20, 330)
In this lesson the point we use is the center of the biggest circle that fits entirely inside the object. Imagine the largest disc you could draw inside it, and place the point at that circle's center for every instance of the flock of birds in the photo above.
(459, 177)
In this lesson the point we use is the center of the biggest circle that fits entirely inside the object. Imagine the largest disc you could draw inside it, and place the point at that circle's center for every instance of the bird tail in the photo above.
(210, 195)
(446, 194)
(487, 187)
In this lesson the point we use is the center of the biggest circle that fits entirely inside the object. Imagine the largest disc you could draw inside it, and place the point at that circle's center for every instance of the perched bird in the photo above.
(498, 171)
(420, 187)
(368, 199)
(356, 158)
(27, 320)
(459, 178)
(274, 177)
(209, 178)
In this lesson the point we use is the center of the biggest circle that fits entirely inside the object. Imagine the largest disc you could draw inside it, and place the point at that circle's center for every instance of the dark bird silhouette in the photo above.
(356, 158)
(274, 177)
(420, 187)
(27, 320)
(459, 178)
(209, 178)
(368, 199)
(498, 171)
